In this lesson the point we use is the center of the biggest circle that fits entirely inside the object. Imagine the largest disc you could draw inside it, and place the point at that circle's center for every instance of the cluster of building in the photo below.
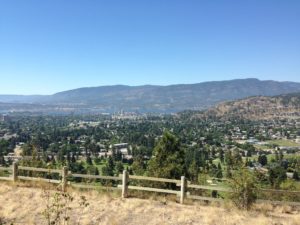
(268, 131)
(127, 116)
(120, 148)
(4, 118)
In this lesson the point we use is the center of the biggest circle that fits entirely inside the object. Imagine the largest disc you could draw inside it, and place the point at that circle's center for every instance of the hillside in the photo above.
(24, 205)
(150, 98)
(257, 108)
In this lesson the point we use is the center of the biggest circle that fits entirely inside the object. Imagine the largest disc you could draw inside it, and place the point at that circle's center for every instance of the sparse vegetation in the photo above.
(107, 209)
(58, 207)
(244, 186)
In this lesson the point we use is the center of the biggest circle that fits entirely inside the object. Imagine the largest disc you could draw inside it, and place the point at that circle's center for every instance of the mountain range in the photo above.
(148, 98)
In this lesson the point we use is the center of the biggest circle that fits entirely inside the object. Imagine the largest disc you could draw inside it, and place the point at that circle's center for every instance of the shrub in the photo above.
(244, 189)
(58, 207)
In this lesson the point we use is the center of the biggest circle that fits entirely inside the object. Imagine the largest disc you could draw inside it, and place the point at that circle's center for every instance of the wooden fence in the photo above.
(184, 187)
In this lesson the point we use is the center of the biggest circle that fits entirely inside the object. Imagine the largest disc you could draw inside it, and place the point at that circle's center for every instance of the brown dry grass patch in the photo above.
(23, 204)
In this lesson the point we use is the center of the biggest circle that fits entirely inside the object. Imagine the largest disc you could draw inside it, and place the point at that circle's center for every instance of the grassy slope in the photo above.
(24, 205)
(286, 143)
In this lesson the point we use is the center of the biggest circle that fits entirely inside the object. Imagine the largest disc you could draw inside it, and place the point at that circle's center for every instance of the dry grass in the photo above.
(21, 204)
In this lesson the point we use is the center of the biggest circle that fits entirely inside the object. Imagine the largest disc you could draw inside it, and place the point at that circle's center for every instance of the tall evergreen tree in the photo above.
(89, 160)
(277, 174)
(168, 158)
(262, 159)
(108, 169)
(138, 165)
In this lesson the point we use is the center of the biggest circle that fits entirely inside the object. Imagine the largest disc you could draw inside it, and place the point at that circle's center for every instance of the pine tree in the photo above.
(96, 171)
(168, 158)
(73, 159)
(68, 157)
(263, 160)
(108, 169)
(277, 174)
(280, 156)
(138, 166)
(228, 172)
(193, 171)
(89, 160)
(219, 173)
(276, 156)
(221, 155)
(119, 167)
(2, 161)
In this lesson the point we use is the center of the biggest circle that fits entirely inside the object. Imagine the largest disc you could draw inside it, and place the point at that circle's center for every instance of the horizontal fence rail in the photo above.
(86, 186)
(154, 179)
(6, 178)
(5, 168)
(39, 169)
(158, 190)
(183, 186)
(39, 179)
(87, 176)
(211, 188)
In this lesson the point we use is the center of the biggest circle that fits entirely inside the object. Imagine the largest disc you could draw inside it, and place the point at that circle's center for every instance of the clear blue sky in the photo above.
(55, 45)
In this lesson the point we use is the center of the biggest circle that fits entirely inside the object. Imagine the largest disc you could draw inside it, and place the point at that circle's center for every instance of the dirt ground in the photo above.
(24, 205)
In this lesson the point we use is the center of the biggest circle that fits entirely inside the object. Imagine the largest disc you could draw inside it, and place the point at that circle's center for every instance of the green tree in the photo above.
(96, 171)
(221, 155)
(168, 158)
(138, 166)
(219, 173)
(237, 159)
(97, 160)
(108, 169)
(27, 150)
(262, 159)
(2, 161)
(277, 174)
(119, 167)
(89, 160)
(229, 159)
(193, 171)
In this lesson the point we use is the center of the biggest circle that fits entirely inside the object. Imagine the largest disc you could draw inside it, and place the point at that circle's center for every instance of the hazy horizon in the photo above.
(146, 85)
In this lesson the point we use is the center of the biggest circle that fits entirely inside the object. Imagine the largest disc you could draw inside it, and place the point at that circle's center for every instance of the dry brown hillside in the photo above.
(23, 205)
(257, 108)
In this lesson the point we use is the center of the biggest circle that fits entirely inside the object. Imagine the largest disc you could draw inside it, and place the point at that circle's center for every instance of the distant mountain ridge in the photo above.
(153, 98)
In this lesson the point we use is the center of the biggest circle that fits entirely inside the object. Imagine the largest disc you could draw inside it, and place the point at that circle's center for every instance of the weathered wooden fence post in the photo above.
(15, 172)
(182, 189)
(64, 178)
(125, 180)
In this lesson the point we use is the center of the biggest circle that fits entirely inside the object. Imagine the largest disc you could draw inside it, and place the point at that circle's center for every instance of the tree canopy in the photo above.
(168, 158)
